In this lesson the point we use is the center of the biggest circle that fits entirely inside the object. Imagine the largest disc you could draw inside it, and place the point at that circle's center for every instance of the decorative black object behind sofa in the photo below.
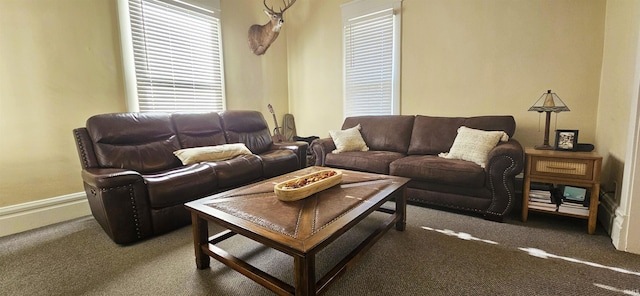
(135, 185)
(408, 146)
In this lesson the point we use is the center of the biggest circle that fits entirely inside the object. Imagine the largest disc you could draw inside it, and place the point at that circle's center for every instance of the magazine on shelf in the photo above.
(540, 196)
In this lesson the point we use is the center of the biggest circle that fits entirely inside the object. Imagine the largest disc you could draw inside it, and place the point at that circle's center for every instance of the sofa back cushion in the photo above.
(383, 133)
(248, 127)
(433, 135)
(198, 129)
(141, 142)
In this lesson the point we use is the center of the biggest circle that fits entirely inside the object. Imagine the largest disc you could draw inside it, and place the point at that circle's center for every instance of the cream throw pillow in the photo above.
(474, 145)
(348, 140)
(211, 153)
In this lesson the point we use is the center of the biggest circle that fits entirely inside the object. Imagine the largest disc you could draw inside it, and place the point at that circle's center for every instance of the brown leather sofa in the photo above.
(137, 187)
(408, 146)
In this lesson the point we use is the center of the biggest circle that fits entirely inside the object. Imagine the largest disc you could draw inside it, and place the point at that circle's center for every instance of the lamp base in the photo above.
(543, 147)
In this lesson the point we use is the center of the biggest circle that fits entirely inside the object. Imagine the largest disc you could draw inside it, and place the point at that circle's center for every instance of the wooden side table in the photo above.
(580, 169)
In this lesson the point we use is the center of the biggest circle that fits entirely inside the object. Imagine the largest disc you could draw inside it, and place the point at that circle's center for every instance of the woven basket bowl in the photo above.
(291, 194)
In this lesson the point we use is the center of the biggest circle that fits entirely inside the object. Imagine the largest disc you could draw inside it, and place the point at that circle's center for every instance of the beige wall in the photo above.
(61, 63)
(617, 87)
(314, 41)
(462, 58)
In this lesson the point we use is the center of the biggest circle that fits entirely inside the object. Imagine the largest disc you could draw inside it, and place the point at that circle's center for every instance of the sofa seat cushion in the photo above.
(240, 170)
(180, 185)
(431, 168)
(369, 161)
(278, 162)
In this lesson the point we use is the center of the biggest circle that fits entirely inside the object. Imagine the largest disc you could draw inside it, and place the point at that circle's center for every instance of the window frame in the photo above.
(128, 59)
(359, 9)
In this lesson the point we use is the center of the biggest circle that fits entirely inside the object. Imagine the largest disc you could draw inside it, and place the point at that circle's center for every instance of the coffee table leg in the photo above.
(305, 269)
(200, 238)
(401, 209)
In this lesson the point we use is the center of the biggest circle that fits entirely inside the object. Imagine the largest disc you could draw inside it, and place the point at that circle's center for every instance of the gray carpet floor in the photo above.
(440, 253)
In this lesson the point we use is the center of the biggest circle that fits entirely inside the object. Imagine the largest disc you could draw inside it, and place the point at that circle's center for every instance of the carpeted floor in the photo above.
(440, 253)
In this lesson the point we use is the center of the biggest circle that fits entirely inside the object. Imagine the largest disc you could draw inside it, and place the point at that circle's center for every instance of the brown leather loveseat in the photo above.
(137, 187)
(408, 146)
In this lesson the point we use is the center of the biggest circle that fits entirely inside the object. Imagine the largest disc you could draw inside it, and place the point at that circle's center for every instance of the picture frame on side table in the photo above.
(566, 140)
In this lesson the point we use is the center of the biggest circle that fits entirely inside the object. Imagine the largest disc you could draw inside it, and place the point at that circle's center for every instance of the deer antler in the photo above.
(267, 7)
(287, 4)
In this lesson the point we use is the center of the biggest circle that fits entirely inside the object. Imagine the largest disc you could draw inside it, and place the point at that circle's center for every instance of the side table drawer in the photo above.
(573, 168)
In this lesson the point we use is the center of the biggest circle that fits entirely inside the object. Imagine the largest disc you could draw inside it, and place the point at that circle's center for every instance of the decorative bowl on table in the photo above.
(304, 186)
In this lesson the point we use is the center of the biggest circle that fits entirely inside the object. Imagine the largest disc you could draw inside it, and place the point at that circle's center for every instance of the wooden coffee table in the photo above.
(298, 228)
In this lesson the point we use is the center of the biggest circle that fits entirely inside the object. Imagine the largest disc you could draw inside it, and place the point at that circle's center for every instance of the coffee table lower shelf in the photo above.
(302, 263)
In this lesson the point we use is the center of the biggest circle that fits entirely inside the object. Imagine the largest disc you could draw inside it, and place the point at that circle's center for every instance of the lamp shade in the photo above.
(549, 102)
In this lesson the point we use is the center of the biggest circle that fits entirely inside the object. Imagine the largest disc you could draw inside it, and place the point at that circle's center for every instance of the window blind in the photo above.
(177, 55)
(369, 64)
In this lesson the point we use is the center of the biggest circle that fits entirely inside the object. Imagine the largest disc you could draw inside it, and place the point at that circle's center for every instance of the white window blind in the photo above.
(371, 58)
(177, 55)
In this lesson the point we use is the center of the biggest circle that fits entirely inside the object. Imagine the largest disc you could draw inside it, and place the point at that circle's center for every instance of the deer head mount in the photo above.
(261, 36)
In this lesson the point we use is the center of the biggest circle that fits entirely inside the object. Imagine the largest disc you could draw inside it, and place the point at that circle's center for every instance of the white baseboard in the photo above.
(31, 215)
(618, 229)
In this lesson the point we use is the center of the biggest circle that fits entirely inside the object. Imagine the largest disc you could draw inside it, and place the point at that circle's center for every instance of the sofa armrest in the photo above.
(119, 201)
(504, 162)
(299, 148)
(320, 148)
(110, 177)
(84, 145)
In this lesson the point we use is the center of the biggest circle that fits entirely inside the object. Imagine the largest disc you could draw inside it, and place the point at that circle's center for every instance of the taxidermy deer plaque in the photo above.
(261, 36)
